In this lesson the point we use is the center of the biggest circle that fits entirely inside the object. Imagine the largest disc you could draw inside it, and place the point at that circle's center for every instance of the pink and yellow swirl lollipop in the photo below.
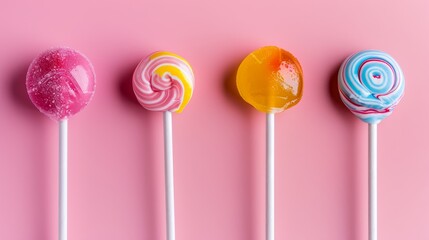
(163, 81)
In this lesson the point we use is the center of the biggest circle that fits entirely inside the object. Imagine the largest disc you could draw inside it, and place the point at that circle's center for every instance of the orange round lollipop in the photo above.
(270, 79)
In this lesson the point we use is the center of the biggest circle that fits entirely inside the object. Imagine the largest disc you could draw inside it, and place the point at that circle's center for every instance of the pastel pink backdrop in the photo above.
(116, 181)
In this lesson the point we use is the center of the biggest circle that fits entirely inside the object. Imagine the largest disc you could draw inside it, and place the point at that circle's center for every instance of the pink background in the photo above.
(116, 177)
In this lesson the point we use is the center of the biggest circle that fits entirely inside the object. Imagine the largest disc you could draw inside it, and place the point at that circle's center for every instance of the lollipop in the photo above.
(164, 82)
(371, 84)
(60, 83)
(270, 79)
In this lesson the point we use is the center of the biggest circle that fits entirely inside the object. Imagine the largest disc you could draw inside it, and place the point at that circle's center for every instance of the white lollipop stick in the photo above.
(63, 181)
(372, 181)
(270, 178)
(169, 175)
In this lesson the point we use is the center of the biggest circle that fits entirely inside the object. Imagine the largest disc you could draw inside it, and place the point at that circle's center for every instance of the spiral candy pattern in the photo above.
(163, 82)
(371, 84)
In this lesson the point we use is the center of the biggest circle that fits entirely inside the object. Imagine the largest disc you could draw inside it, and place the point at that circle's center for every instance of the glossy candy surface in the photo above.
(270, 79)
(163, 81)
(371, 84)
(60, 82)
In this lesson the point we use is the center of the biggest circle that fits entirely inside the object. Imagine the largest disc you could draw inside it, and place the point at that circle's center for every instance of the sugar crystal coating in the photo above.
(60, 82)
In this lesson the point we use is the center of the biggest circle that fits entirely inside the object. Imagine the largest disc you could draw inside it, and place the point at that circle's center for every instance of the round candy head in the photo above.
(163, 81)
(60, 82)
(270, 79)
(371, 84)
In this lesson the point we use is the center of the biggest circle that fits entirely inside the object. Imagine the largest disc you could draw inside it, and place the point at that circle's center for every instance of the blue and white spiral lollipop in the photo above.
(371, 84)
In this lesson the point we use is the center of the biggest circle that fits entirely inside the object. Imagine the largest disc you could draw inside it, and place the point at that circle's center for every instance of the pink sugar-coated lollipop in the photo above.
(60, 82)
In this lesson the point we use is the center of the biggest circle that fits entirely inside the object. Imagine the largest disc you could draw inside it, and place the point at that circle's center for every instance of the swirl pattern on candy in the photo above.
(163, 81)
(371, 84)
(270, 79)
(60, 82)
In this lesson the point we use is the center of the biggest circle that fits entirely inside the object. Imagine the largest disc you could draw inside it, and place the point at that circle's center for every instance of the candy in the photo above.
(270, 79)
(163, 81)
(60, 82)
(371, 84)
